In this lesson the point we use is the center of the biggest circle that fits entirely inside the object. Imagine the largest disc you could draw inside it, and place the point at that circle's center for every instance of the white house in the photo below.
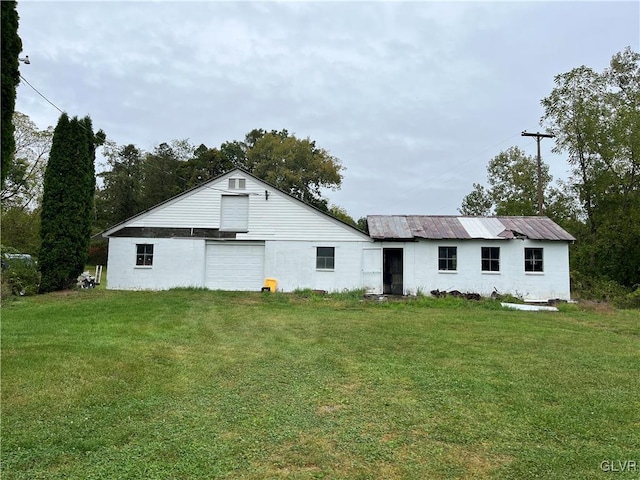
(235, 231)
(232, 233)
(524, 256)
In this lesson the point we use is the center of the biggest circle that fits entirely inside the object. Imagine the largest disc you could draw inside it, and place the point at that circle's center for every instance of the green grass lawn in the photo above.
(197, 384)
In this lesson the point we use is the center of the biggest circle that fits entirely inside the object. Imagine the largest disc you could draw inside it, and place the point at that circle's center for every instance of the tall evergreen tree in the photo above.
(67, 203)
(11, 48)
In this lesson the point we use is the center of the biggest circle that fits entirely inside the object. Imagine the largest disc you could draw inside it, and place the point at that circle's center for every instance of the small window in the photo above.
(490, 259)
(447, 258)
(237, 184)
(325, 258)
(533, 260)
(144, 254)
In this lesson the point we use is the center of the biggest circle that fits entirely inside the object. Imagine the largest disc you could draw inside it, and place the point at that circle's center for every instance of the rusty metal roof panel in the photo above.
(389, 227)
(443, 227)
(536, 228)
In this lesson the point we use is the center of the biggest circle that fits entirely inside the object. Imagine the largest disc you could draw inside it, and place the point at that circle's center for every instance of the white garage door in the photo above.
(235, 266)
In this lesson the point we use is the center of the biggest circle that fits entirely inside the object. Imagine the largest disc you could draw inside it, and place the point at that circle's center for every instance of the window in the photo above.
(144, 254)
(447, 258)
(490, 259)
(237, 184)
(325, 258)
(533, 260)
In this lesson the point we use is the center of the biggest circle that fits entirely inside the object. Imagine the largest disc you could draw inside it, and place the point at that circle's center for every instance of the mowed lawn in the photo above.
(195, 384)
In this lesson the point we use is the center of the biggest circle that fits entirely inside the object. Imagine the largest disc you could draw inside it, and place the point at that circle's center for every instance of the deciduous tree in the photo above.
(25, 175)
(596, 120)
(206, 163)
(296, 166)
(512, 179)
(341, 214)
(21, 230)
(478, 203)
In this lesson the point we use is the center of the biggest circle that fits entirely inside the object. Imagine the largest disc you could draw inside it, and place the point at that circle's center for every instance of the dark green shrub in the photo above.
(584, 287)
(631, 300)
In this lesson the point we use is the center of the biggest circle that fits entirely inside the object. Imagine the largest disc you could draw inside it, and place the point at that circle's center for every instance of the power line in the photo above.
(153, 165)
(54, 105)
(469, 159)
(38, 92)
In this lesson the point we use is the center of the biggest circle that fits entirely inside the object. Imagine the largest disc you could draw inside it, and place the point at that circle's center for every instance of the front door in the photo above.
(392, 271)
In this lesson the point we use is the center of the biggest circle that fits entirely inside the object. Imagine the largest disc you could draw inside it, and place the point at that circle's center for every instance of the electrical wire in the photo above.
(39, 93)
(464, 162)
(49, 101)
(151, 164)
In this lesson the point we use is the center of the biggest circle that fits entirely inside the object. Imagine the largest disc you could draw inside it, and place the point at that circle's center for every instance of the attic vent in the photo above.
(237, 184)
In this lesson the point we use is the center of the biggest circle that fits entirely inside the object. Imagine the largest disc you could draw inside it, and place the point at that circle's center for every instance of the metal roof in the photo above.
(443, 227)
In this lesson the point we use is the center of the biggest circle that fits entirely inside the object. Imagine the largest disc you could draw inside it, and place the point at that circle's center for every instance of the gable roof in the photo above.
(209, 185)
(450, 227)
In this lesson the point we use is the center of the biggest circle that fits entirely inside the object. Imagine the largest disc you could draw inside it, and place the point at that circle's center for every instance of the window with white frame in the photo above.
(144, 254)
(325, 258)
(447, 258)
(533, 260)
(490, 259)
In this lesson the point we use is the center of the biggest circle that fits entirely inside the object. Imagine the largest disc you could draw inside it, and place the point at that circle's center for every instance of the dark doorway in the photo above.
(392, 271)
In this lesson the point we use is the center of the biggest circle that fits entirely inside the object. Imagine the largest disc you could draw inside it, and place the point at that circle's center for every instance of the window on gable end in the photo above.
(237, 184)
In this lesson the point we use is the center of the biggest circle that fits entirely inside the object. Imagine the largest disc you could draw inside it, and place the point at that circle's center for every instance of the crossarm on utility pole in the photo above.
(539, 136)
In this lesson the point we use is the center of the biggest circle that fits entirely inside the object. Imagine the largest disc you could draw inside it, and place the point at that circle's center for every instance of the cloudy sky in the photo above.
(414, 97)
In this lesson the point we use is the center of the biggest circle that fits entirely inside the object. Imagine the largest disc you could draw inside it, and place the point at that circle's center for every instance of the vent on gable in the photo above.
(237, 184)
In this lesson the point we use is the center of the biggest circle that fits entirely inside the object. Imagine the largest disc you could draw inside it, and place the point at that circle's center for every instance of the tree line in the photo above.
(595, 117)
(135, 180)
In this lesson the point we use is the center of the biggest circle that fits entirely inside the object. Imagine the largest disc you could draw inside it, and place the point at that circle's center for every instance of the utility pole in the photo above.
(539, 136)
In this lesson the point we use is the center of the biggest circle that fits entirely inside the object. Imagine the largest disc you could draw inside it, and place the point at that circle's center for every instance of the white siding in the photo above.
(272, 216)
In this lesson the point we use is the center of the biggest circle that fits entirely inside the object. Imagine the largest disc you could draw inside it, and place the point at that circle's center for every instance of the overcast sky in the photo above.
(414, 98)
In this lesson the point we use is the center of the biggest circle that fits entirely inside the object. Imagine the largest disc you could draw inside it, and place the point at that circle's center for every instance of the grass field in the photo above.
(195, 384)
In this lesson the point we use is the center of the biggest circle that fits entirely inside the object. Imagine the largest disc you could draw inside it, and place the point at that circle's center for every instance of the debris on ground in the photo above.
(456, 293)
(86, 280)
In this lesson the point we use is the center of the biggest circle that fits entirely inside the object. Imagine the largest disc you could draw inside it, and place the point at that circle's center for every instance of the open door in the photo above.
(392, 271)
